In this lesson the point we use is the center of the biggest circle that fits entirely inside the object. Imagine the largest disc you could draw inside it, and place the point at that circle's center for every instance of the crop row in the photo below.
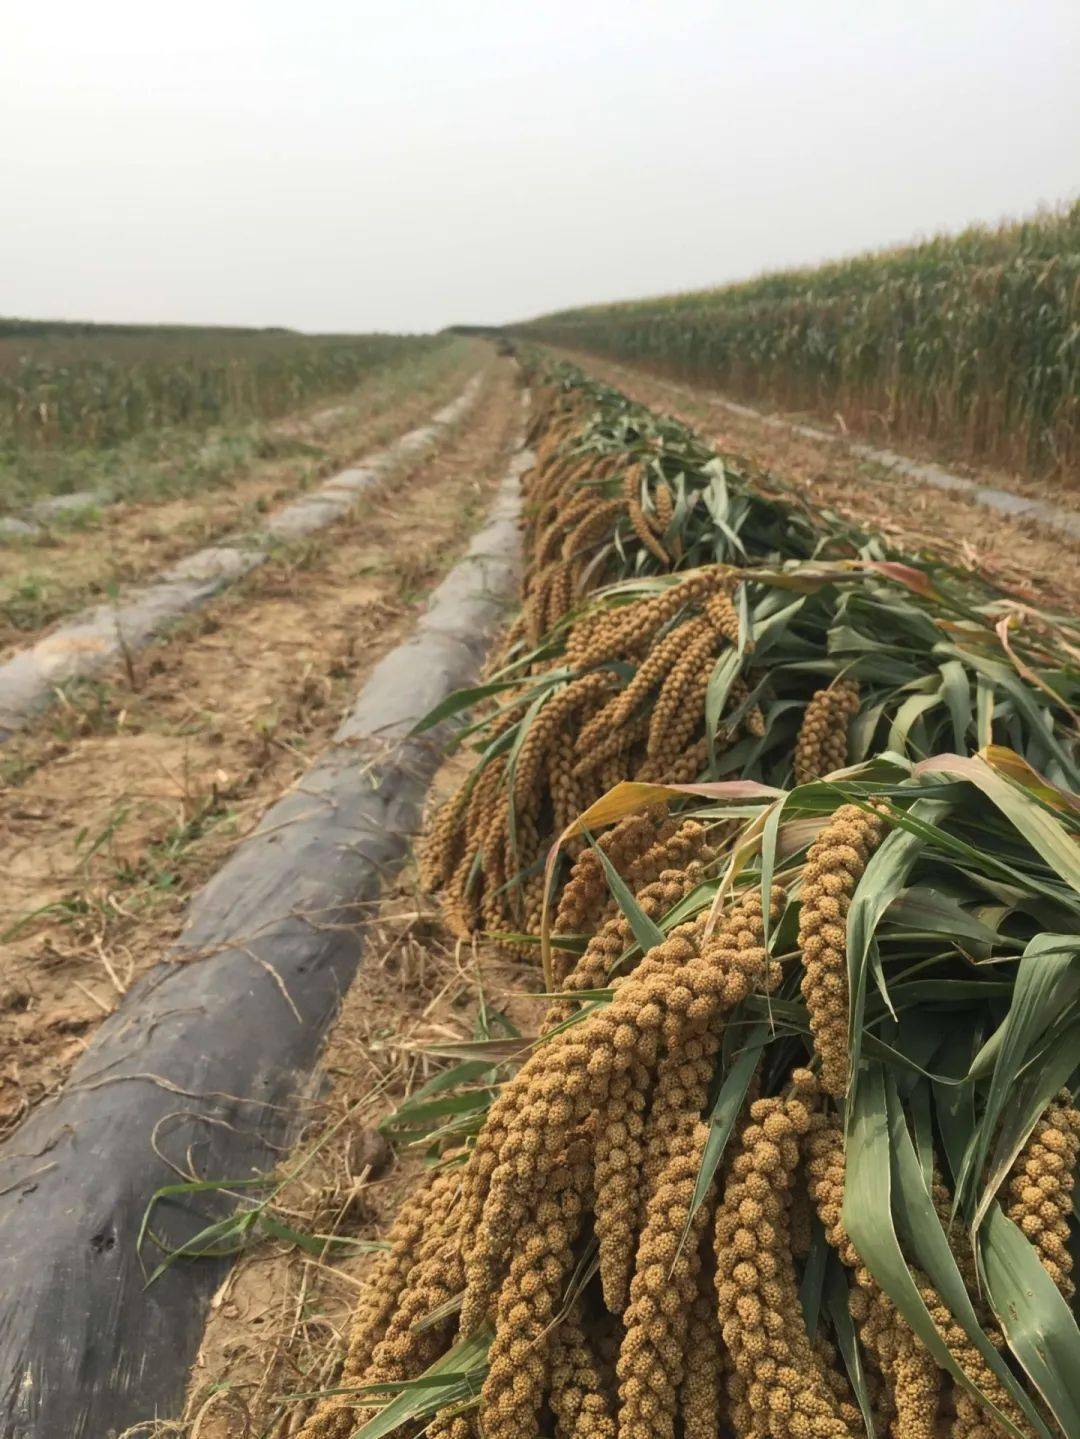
(68, 388)
(971, 342)
(787, 821)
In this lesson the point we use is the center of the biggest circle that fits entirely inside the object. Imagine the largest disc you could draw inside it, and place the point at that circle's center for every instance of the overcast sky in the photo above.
(346, 165)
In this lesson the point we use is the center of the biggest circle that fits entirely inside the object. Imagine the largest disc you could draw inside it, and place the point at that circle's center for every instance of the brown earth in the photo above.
(129, 795)
(1017, 554)
(67, 567)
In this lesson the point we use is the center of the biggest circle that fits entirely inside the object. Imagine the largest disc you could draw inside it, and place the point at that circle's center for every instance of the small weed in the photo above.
(86, 847)
(86, 706)
(256, 1219)
(159, 866)
(15, 768)
(75, 520)
(28, 603)
(63, 911)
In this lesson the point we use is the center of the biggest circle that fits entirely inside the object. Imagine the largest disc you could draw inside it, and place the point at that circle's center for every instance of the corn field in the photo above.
(74, 386)
(969, 342)
(786, 821)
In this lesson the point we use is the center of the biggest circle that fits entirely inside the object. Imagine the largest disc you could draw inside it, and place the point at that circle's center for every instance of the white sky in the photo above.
(354, 166)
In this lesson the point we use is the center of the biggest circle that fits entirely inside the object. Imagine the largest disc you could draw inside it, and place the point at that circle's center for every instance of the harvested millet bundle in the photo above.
(834, 867)
(576, 497)
(606, 1309)
(631, 627)
(585, 733)
(664, 501)
(822, 744)
(1039, 1191)
(516, 1167)
(577, 1229)
(586, 895)
(918, 1395)
(657, 664)
(784, 1382)
(645, 534)
(422, 1212)
(579, 1400)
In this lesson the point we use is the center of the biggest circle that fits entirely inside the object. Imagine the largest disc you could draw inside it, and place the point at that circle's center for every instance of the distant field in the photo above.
(85, 405)
(74, 384)
(969, 342)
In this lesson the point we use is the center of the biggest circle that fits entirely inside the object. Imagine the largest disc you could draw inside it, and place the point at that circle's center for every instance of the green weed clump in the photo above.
(970, 342)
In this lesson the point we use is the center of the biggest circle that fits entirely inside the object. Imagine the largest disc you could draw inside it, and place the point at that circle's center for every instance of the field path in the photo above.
(937, 513)
(120, 803)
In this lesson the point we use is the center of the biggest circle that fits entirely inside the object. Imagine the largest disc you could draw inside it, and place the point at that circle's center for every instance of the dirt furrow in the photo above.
(135, 790)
